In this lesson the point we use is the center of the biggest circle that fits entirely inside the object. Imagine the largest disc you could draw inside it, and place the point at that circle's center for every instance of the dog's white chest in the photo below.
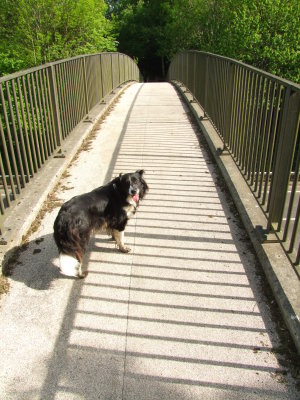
(130, 208)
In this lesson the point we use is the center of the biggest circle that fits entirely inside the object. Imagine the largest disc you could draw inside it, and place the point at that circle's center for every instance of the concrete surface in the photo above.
(183, 316)
(282, 278)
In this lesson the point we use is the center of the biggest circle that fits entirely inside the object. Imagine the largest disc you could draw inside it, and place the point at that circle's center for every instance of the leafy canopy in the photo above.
(34, 32)
(263, 33)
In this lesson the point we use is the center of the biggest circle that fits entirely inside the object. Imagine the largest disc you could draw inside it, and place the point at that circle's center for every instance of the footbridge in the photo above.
(206, 304)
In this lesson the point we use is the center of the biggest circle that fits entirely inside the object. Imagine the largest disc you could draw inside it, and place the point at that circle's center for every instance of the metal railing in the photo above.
(41, 106)
(257, 116)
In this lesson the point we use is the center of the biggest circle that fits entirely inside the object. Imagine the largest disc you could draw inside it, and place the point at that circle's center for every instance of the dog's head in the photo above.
(133, 184)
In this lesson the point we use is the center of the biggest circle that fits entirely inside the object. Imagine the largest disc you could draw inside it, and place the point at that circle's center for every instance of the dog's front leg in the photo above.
(119, 238)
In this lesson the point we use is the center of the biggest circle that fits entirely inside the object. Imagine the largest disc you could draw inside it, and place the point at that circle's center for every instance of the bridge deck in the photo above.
(183, 316)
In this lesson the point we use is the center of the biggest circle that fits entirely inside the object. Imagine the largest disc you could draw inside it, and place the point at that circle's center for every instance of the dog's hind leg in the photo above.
(119, 238)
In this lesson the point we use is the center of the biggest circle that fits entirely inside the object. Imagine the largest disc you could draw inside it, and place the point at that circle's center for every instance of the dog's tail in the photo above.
(70, 266)
(71, 248)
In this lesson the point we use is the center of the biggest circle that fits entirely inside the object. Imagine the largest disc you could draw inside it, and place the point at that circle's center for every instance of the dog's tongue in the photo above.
(136, 198)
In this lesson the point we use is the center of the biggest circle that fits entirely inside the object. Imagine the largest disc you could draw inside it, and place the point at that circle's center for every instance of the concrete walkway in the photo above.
(183, 316)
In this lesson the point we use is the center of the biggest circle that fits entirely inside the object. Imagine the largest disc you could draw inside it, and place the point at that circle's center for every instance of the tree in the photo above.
(263, 33)
(140, 26)
(34, 32)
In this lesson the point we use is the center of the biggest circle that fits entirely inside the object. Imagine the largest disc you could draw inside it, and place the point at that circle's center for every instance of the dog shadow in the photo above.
(34, 263)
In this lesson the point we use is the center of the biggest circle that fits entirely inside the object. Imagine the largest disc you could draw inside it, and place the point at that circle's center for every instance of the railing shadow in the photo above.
(183, 315)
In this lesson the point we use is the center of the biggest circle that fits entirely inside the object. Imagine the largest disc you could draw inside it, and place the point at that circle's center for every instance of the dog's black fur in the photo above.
(106, 208)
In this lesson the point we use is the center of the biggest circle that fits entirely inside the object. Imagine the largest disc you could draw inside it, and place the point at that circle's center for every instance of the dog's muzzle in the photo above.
(134, 193)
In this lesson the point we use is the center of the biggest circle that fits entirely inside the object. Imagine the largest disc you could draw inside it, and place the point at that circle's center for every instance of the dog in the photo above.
(107, 208)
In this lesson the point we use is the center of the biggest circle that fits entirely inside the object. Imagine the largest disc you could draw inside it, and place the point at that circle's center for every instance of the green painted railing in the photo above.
(257, 116)
(41, 106)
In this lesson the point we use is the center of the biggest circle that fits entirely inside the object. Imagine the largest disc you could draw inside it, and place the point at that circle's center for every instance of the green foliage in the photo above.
(141, 26)
(34, 32)
(263, 33)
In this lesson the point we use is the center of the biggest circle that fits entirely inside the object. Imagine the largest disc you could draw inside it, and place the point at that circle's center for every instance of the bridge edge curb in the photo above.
(285, 287)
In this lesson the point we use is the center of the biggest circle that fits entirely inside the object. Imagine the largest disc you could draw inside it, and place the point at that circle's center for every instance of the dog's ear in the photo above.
(117, 179)
(141, 172)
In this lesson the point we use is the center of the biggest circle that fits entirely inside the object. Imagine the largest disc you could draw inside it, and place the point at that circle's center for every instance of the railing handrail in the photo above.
(27, 71)
(273, 77)
(257, 116)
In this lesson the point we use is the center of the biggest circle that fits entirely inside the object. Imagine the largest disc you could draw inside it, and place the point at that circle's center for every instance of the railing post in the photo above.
(2, 227)
(182, 68)
(206, 84)
(86, 99)
(229, 99)
(55, 105)
(194, 76)
(111, 69)
(186, 57)
(101, 72)
(119, 69)
(124, 68)
(284, 157)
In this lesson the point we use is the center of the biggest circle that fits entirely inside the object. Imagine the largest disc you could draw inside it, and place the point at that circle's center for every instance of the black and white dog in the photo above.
(107, 208)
